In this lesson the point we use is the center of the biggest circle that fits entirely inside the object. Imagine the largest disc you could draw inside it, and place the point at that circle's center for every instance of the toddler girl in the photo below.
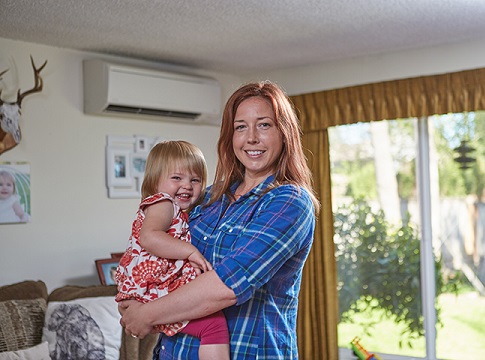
(160, 257)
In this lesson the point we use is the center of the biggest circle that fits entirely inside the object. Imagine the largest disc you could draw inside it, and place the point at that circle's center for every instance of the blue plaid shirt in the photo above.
(258, 246)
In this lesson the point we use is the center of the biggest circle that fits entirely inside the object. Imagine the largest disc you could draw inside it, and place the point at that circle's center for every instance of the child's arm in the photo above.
(155, 239)
(19, 210)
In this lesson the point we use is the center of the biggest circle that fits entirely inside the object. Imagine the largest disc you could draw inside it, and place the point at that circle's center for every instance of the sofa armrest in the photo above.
(71, 292)
(25, 290)
(137, 349)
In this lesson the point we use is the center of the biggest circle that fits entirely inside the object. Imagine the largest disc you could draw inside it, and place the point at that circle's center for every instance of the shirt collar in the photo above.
(258, 189)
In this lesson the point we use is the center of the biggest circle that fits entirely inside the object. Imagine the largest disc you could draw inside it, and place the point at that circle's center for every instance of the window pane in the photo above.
(460, 237)
(377, 236)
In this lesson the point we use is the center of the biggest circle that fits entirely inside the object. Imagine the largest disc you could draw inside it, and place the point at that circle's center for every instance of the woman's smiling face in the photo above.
(257, 142)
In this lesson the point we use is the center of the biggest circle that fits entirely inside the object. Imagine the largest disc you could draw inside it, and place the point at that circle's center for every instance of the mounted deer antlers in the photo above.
(10, 134)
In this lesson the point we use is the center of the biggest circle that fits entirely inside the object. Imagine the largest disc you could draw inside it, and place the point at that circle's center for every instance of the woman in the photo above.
(255, 226)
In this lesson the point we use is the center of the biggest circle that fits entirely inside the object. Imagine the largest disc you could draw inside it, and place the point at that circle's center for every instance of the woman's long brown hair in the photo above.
(292, 165)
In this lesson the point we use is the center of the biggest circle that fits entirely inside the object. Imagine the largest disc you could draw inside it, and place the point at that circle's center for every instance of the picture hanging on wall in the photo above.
(125, 164)
(14, 192)
(119, 173)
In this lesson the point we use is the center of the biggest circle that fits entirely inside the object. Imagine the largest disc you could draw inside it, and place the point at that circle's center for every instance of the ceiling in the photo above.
(242, 37)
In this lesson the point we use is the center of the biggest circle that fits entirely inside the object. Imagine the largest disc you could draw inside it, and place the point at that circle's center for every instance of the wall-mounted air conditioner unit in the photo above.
(114, 89)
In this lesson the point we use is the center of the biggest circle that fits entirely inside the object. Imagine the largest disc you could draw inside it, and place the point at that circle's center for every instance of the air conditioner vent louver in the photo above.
(126, 91)
(154, 112)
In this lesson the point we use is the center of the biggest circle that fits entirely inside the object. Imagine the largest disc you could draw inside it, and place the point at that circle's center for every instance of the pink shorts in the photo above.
(211, 329)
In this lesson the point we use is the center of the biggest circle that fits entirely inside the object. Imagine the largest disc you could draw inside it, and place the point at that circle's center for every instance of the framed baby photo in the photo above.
(107, 269)
(14, 193)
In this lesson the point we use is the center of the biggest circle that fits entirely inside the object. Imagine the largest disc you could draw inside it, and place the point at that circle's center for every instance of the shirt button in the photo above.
(163, 347)
(205, 237)
(230, 230)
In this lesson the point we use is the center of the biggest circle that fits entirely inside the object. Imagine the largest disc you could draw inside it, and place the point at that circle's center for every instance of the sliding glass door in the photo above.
(410, 235)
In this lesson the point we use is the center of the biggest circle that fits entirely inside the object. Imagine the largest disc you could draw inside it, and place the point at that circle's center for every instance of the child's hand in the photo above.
(199, 262)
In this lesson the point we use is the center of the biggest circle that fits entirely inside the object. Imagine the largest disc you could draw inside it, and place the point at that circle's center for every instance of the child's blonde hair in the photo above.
(7, 175)
(168, 156)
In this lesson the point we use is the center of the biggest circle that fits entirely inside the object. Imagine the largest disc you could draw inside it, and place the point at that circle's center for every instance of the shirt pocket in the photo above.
(230, 232)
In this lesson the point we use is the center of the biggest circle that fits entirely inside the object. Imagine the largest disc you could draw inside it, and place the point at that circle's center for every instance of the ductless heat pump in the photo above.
(120, 90)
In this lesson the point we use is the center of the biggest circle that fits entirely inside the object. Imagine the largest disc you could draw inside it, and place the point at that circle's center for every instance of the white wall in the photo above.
(73, 220)
(382, 67)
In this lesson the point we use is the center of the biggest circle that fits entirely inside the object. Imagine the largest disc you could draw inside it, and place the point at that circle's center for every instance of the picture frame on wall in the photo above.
(119, 169)
(15, 198)
(107, 269)
(142, 144)
(125, 164)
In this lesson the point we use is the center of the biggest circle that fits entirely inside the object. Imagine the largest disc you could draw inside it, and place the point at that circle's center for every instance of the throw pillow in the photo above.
(87, 328)
(21, 323)
(38, 352)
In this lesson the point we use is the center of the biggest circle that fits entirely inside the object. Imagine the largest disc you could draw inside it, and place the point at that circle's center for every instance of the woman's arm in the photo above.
(203, 296)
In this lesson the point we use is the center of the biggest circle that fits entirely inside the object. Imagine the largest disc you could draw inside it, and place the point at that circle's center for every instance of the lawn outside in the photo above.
(461, 337)
(463, 333)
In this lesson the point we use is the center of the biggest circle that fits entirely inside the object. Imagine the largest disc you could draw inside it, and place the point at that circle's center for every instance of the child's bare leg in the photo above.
(214, 352)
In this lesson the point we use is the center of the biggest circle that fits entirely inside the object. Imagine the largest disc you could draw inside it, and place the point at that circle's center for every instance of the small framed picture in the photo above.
(139, 164)
(141, 144)
(119, 167)
(107, 270)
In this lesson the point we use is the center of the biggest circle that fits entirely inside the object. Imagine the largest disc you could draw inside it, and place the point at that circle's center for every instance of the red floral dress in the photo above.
(146, 277)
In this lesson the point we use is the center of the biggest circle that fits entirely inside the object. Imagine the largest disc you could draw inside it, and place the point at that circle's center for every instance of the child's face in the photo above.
(6, 188)
(183, 186)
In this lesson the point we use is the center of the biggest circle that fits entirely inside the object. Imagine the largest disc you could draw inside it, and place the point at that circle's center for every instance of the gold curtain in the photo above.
(405, 98)
(415, 97)
(318, 315)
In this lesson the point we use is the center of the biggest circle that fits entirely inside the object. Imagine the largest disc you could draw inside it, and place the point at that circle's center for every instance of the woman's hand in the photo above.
(133, 319)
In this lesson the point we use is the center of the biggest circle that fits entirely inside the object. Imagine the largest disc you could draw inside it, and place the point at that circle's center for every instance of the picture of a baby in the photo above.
(11, 210)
